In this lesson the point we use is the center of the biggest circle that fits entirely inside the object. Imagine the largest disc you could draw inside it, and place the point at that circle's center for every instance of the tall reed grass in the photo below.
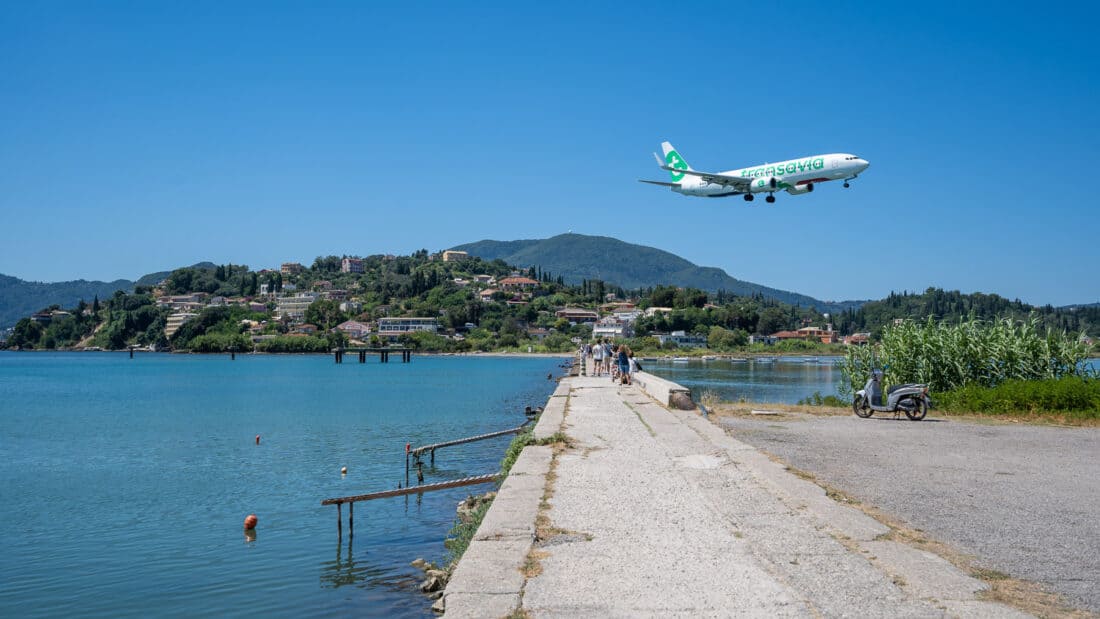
(972, 352)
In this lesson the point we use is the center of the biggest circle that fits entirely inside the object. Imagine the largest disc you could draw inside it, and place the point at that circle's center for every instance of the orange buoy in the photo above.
(257, 439)
(250, 522)
(344, 470)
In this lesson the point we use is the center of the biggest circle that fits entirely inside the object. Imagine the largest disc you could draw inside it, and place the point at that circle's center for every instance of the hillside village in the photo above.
(447, 301)
(450, 301)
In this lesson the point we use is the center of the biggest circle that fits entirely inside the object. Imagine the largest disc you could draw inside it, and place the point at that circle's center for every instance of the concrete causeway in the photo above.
(655, 512)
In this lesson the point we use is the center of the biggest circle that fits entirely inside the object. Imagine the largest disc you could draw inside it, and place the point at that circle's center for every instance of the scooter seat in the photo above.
(894, 388)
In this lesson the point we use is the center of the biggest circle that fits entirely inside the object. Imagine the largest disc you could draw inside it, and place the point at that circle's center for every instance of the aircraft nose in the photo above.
(864, 164)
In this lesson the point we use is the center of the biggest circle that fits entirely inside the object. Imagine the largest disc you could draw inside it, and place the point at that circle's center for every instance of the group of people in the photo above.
(614, 361)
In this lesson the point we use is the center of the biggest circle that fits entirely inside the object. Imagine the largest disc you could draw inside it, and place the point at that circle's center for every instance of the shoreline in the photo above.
(425, 353)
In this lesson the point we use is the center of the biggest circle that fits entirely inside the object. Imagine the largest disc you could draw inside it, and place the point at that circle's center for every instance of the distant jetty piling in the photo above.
(383, 354)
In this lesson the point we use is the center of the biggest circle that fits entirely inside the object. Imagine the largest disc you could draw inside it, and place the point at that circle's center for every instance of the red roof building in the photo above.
(517, 283)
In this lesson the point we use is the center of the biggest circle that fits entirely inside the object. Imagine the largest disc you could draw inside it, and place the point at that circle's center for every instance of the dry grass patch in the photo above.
(532, 565)
(1023, 419)
(744, 409)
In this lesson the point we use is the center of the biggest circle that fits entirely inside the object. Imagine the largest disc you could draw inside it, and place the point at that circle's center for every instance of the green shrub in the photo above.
(1075, 396)
(819, 400)
(948, 356)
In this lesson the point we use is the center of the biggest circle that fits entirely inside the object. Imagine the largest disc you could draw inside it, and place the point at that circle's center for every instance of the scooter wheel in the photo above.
(919, 410)
(860, 408)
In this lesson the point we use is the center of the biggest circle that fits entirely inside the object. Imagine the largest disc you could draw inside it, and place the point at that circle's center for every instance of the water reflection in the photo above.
(785, 380)
(346, 570)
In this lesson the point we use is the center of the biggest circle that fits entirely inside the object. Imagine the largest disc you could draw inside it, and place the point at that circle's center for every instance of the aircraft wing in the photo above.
(659, 183)
(736, 182)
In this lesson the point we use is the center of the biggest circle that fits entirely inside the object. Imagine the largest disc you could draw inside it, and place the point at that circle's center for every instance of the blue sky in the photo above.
(138, 137)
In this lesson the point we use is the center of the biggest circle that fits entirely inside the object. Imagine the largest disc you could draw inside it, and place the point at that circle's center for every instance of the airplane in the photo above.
(796, 176)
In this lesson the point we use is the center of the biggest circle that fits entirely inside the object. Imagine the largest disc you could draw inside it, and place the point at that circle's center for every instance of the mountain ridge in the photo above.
(20, 298)
(577, 257)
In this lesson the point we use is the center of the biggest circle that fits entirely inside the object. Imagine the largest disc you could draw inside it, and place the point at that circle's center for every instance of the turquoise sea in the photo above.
(124, 482)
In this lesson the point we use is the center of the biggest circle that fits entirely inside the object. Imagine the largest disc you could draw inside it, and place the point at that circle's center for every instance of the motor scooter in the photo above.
(912, 399)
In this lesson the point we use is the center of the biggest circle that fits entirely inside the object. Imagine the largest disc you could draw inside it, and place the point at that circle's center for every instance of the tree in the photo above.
(772, 319)
(325, 314)
(724, 339)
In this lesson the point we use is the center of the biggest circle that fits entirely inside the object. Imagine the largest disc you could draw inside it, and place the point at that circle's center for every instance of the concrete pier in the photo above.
(656, 512)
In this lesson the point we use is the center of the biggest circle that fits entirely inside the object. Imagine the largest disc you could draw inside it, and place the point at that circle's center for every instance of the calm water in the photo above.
(785, 381)
(125, 482)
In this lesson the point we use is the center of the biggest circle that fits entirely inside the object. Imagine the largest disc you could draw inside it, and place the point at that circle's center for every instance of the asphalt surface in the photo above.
(1025, 500)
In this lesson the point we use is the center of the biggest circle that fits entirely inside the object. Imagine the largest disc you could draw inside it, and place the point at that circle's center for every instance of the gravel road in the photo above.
(1023, 499)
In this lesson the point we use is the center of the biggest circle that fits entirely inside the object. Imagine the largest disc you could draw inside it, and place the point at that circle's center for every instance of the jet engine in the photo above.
(800, 189)
(764, 183)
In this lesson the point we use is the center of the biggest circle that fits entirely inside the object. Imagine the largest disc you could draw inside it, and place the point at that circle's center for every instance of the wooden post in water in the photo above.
(351, 520)
(131, 352)
(362, 356)
(339, 520)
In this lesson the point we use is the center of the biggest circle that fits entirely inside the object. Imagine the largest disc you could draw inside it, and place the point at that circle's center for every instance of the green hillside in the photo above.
(19, 299)
(579, 257)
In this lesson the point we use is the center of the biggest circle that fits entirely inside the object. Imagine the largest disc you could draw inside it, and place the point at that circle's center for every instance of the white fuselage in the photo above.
(794, 176)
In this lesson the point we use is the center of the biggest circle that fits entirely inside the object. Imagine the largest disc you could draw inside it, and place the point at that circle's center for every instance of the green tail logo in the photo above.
(674, 160)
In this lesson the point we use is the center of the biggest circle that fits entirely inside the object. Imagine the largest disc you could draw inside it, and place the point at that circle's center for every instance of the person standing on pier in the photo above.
(597, 358)
(624, 364)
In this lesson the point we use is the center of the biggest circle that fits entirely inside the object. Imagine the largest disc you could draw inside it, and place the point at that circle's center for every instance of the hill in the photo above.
(19, 299)
(578, 257)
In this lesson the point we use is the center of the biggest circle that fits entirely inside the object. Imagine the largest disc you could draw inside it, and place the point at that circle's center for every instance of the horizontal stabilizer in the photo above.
(659, 183)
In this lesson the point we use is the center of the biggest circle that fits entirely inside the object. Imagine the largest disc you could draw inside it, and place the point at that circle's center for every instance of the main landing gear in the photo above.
(749, 197)
(770, 199)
